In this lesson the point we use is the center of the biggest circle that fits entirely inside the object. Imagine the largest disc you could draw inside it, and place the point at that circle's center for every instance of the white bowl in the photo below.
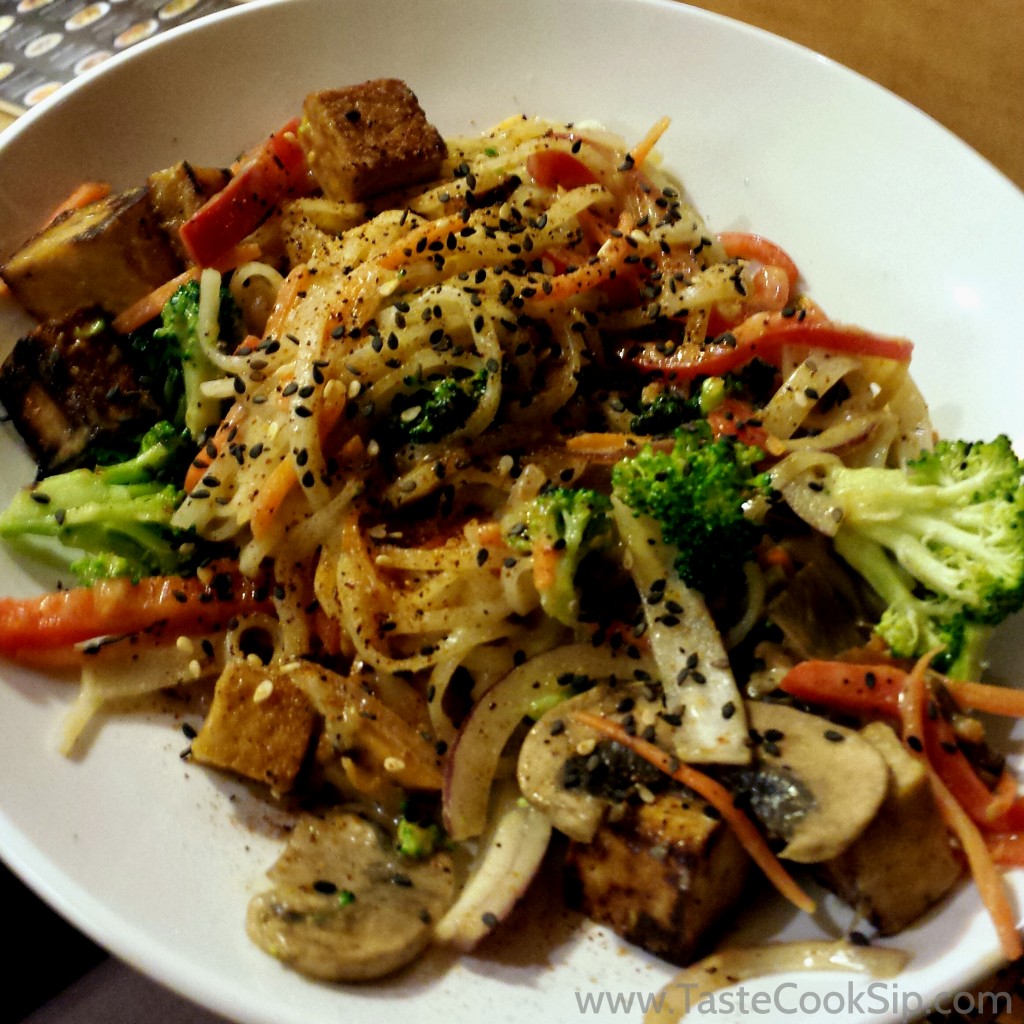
(895, 224)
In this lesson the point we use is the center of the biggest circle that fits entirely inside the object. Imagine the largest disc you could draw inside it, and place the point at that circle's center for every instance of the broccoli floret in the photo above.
(435, 408)
(664, 413)
(179, 334)
(941, 542)
(118, 516)
(418, 841)
(706, 497)
(571, 524)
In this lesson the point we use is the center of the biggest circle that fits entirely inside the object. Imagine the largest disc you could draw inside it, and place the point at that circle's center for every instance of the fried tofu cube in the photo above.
(903, 862)
(662, 876)
(259, 725)
(109, 253)
(177, 192)
(369, 139)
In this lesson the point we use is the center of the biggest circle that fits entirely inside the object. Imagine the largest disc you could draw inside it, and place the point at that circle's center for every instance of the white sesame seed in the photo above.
(393, 764)
(262, 692)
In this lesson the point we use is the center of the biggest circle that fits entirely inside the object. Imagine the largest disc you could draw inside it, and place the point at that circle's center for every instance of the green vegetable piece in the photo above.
(941, 542)
(706, 497)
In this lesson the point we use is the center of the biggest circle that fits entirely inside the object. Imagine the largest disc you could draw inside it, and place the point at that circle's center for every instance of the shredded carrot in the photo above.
(149, 306)
(995, 700)
(777, 557)
(717, 795)
(1004, 795)
(610, 259)
(979, 858)
(601, 443)
(643, 148)
(419, 240)
(1006, 848)
(279, 483)
(201, 463)
(983, 868)
(84, 194)
(287, 296)
(545, 567)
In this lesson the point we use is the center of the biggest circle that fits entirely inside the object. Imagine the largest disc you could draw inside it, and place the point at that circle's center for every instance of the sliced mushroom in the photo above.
(816, 784)
(565, 770)
(346, 906)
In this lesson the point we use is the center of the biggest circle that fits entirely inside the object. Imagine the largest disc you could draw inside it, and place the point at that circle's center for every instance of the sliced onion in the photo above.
(687, 648)
(731, 966)
(510, 855)
(473, 758)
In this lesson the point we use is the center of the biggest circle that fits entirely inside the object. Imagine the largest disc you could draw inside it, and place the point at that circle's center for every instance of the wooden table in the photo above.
(962, 63)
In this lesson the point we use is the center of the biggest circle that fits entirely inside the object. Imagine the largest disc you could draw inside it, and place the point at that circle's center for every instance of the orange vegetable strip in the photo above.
(1006, 848)
(201, 463)
(986, 876)
(995, 700)
(746, 246)
(118, 606)
(1004, 795)
(983, 869)
(417, 241)
(287, 296)
(149, 306)
(610, 259)
(866, 689)
(545, 567)
(716, 794)
(642, 149)
(281, 479)
(82, 195)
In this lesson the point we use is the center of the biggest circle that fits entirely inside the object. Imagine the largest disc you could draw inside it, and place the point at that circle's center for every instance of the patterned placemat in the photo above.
(46, 43)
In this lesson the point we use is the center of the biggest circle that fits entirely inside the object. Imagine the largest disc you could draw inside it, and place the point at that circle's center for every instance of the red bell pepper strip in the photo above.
(275, 171)
(738, 419)
(729, 352)
(119, 607)
(554, 168)
(745, 246)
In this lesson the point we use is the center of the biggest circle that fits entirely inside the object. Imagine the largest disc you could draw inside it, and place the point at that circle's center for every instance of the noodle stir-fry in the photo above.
(521, 510)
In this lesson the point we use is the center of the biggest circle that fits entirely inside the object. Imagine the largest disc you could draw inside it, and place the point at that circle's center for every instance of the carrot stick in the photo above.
(82, 195)
(118, 606)
(1006, 848)
(149, 306)
(201, 463)
(643, 148)
(610, 259)
(282, 479)
(979, 858)
(983, 868)
(418, 241)
(717, 795)
(545, 567)
(287, 296)
(1004, 795)
(995, 700)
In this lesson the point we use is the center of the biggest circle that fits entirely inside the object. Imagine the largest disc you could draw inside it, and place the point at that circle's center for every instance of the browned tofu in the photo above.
(69, 384)
(178, 192)
(369, 139)
(260, 725)
(109, 254)
(663, 876)
(903, 863)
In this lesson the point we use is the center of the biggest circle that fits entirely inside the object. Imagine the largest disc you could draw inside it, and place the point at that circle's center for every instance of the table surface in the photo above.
(963, 64)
